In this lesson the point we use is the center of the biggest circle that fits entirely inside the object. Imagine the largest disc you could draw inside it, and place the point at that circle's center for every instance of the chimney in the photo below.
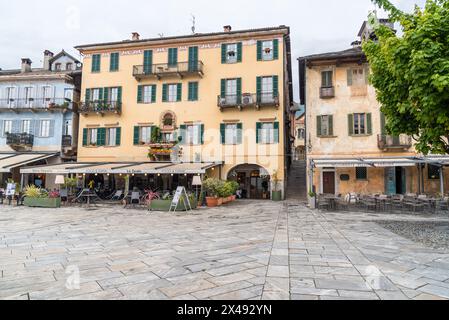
(26, 65)
(227, 28)
(135, 36)
(47, 57)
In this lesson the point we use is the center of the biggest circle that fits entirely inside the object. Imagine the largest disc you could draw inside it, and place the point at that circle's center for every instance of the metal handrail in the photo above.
(166, 68)
(37, 103)
(249, 99)
(101, 106)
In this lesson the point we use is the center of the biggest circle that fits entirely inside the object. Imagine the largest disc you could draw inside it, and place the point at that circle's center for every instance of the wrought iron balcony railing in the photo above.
(19, 140)
(101, 107)
(35, 104)
(386, 142)
(268, 99)
(327, 92)
(180, 69)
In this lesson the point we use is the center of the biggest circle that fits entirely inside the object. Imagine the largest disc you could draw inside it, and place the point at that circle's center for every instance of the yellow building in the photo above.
(348, 149)
(213, 104)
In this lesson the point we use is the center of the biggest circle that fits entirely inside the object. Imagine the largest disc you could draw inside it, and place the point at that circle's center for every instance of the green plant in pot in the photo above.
(212, 187)
(276, 194)
(37, 197)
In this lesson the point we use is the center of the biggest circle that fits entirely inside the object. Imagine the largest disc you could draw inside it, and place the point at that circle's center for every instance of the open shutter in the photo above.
(87, 97)
(139, 94)
(369, 123)
(318, 126)
(52, 128)
(349, 73)
(331, 125)
(259, 50)
(259, 88)
(85, 131)
(276, 86)
(136, 135)
(239, 133)
(201, 134)
(223, 133)
(258, 132)
(183, 128)
(351, 124)
(223, 88)
(104, 94)
(118, 136)
(179, 92)
(147, 61)
(276, 132)
(193, 58)
(153, 93)
(239, 90)
(119, 95)
(164, 92)
(276, 49)
(239, 52)
(223, 53)
(383, 127)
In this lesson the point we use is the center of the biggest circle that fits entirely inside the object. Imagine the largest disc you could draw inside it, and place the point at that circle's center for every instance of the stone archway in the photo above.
(254, 181)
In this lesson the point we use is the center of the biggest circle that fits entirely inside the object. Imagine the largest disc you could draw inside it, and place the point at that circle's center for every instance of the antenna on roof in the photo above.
(193, 24)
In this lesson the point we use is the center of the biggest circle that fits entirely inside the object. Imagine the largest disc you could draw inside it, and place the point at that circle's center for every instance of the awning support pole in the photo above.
(22, 180)
(442, 181)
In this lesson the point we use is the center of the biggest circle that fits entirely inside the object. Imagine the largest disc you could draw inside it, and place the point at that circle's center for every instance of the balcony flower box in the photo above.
(42, 202)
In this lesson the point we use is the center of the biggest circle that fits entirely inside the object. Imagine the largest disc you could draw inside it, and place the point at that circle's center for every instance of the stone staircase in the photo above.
(297, 181)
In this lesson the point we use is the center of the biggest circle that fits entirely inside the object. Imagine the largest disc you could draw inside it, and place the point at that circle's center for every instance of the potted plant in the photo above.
(211, 186)
(276, 195)
(312, 200)
(235, 186)
(37, 197)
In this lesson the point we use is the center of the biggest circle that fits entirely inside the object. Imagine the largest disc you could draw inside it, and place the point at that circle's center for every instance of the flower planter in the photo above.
(220, 201)
(42, 202)
(234, 198)
(212, 202)
(164, 205)
(276, 196)
(312, 202)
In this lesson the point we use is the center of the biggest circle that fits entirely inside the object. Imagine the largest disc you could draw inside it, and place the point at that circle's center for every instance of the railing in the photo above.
(327, 92)
(402, 141)
(19, 139)
(166, 70)
(249, 100)
(66, 141)
(101, 107)
(40, 103)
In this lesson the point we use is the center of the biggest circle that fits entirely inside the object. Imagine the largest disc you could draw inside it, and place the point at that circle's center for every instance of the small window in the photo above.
(92, 137)
(267, 50)
(231, 136)
(327, 79)
(96, 63)
(145, 135)
(7, 126)
(360, 124)
(69, 66)
(433, 172)
(267, 133)
(58, 67)
(193, 134)
(114, 61)
(172, 93)
(325, 126)
(231, 53)
(361, 173)
(357, 77)
(147, 94)
(26, 126)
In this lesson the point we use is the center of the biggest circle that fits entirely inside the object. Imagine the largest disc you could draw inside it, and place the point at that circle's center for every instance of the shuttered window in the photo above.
(192, 134)
(114, 61)
(193, 91)
(327, 79)
(146, 94)
(172, 57)
(325, 126)
(148, 61)
(360, 124)
(267, 132)
(231, 52)
(96, 63)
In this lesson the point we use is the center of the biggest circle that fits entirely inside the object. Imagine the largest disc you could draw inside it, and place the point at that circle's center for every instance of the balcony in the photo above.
(327, 92)
(35, 105)
(387, 143)
(164, 70)
(101, 107)
(248, 100)
(20, 141)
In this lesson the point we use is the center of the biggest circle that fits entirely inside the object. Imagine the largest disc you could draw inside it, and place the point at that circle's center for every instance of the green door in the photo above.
(390, 181)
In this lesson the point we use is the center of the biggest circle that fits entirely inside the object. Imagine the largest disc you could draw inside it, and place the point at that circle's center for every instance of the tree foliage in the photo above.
(410, 73)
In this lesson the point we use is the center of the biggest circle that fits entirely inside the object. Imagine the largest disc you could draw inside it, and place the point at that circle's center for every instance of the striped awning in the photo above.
(9, 161)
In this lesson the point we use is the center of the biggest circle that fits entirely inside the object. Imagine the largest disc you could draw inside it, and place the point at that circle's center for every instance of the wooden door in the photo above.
(329, 182)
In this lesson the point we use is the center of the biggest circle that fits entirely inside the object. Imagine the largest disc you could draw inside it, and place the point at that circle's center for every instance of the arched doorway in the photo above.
(254, 181)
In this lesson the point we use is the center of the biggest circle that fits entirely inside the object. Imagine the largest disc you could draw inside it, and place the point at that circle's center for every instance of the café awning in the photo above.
(124, 168)
(9, 161)
(380, 162)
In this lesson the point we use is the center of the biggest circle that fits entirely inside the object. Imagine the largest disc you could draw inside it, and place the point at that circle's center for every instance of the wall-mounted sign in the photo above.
(345, 177)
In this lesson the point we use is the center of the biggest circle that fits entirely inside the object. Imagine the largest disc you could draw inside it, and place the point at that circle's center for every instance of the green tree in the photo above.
(410, 72)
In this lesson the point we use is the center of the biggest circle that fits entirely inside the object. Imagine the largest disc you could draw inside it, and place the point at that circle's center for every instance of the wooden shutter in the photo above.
(101, 137)
(223, 88)
(173, 56)
(202, 133)
(258, 132)
(96, 62)
(351, 124)
(85, 133)
(349, 73)
(259, 88)
(259, 50)
(136, 135)
(276, 132)
(147, 61)
(114, 61)
(179, 92)
(183, 128)
(369, 123)
(140, 94)
(193, 58)
(275, 49)
(330, 125)
(164, 92)
(239, 90)
(118, 136)
(318, 126)
(276, 86)
(239, 52)
(87, 98)
(119, 95)
(193, 91)
(239, 133)
(104, 94)
(153, 93)
(224, 48)
(223, 133)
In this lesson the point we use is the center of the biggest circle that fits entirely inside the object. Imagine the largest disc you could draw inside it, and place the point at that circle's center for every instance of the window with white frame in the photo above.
(145, 135)
(231, 53)
(68, 127)
(69, 66)
(231, 91)
(92, 136)
(267, 50)
(267, 89)
(95, 94)
(44, 129)
(172, 92)
(111, 137)
(46, 93)
(26, 126)
(231, 134)
(193, 134)
(7, 126)
(68, 94)
(360, 123)
(147, 94)
(267, 133)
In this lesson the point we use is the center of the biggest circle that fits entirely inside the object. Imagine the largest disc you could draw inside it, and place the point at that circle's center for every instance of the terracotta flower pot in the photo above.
(234, 197)
(220, 201)
(212, 202)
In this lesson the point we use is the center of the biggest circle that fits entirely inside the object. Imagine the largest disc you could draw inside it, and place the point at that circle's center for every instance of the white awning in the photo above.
(379, 162)
(124, 168)
(10, 161)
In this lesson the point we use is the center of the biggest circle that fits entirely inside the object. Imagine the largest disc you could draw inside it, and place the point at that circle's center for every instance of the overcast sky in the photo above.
(27, 28)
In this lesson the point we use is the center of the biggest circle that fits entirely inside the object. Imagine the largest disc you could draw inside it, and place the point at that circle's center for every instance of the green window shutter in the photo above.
(239, 52)
(331, 125)
(179, 92)
(351, 124)
(119, 94)
(202, 133)
(190, 91)
(114, 61)
(349, 72)
(259, 88)
(118, 136)
(173, 56)
(136, 135)
(224, 47)
(239, 90)
(258, 132)
(85, 132)
(96, 63)
(276, 132)
(276, 49)
(193, 58)
(318, 126)
(183, 128)
(139, 94)
(369, 123)
(165, 92)
(104, 94)
(101, 137)
(193, 91)
(147, 61)
(87, 98)
(239, 133)
(223, 88)
(276, 86)
(223, 133)
(383, 123)
(259, 50)
(153, 93)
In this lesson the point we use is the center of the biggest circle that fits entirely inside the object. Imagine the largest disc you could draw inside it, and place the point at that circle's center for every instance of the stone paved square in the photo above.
(245, 250)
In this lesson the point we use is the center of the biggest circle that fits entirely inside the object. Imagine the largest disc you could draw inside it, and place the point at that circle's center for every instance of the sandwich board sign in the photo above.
(180, 195)
(10, 189)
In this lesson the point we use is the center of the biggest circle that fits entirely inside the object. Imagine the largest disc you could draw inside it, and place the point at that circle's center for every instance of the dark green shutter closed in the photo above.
(239, 133)
(351, 124)
(96, 63)
(87, 98)
(369, 123)
(276, 132)
(223, 88)
(239, 90)
(318, 126)
(147, 61)
(103, 95)
(85, 132)
(183, 128)
(223, 133)
(172, 57)
(114, 61)
(101, 137)
(139, 94)
(136, 135)
(223, 53)
(119, 95)
(276, 86)
(331, 125)
(118, 136)
(259, 88)
(259, 50)
(202, 134)
(193, 91)
(153, 93)
(193, 58)
(164, 92)
(239, 52)
(275, 49)
(258, 132)
(179, 92)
